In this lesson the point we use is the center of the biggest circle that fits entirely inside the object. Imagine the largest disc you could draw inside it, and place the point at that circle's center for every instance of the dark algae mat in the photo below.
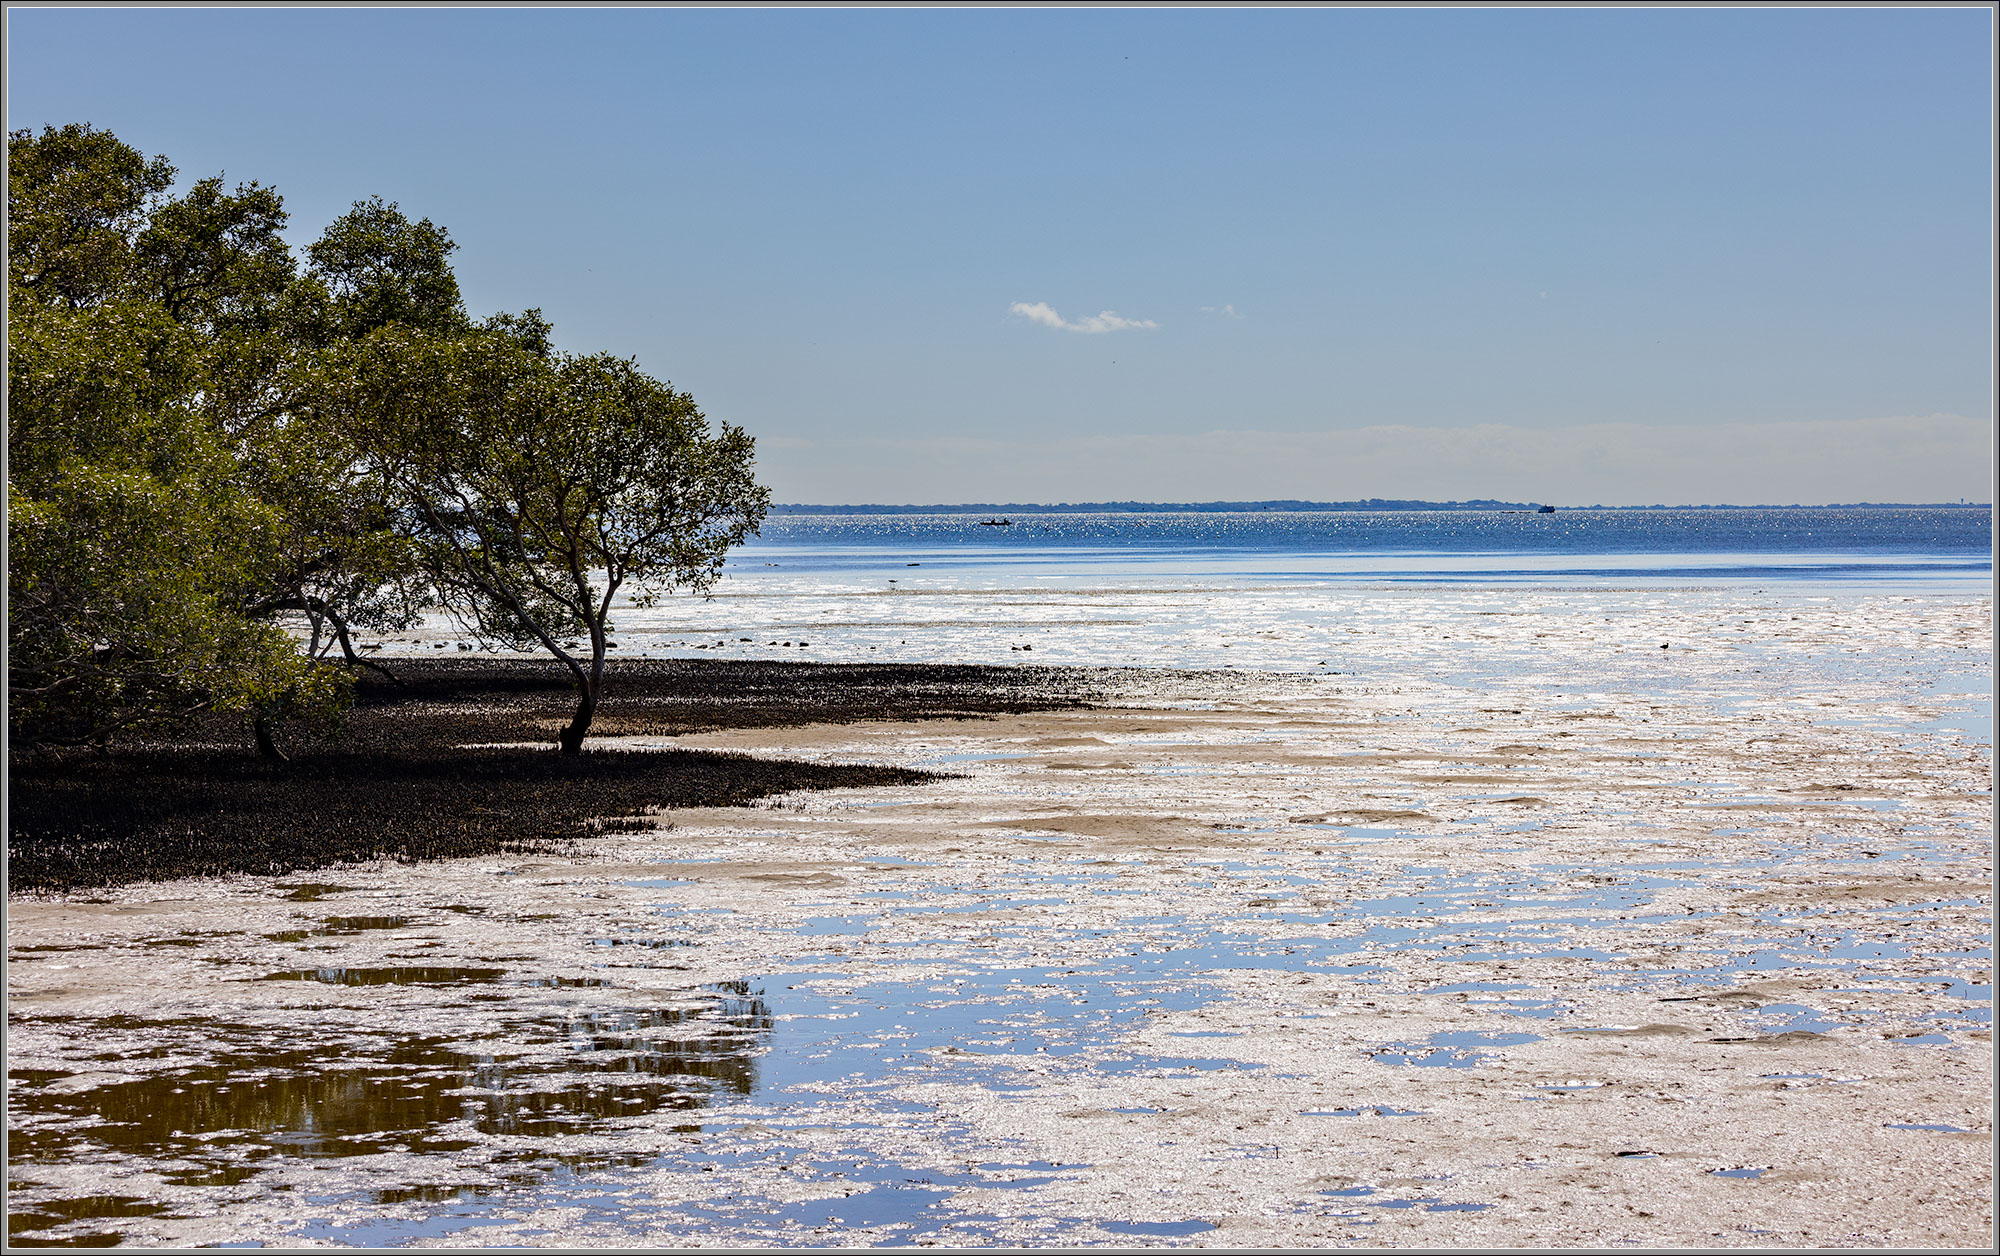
(424, 768)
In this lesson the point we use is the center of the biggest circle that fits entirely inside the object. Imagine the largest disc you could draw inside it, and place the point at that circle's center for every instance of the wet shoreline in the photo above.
(1236, 961)
(456, 760)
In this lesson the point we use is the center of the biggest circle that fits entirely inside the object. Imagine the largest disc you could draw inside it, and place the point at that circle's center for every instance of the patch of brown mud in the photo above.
(1487, 780)
(1887, 890)
(1116, 827)
(1374, 759)
(1660, 1030)
(1263, 755)
(1177, 722)
(402, 781)
(1799, 808)
(814, 880)
(1752, 995)
(1790, 1038)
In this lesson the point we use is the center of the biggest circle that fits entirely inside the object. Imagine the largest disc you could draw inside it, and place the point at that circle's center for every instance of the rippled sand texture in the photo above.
(1545, 936)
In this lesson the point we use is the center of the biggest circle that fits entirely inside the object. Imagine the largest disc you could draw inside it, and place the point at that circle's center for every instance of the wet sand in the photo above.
(449, 758)
(1250, 960)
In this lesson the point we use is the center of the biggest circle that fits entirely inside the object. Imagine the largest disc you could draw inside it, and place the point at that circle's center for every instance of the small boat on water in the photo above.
(996, 523)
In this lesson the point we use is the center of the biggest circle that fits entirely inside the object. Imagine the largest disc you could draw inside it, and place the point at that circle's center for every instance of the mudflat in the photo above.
(1214, 960)
(448, 758)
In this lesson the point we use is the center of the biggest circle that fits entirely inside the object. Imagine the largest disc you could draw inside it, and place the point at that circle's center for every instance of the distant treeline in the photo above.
(1373, 503)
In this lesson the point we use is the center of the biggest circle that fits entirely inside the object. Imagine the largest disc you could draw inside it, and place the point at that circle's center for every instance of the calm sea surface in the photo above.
(1757, 600)
(1888, 529)
(1409, 543)
(1426, 545)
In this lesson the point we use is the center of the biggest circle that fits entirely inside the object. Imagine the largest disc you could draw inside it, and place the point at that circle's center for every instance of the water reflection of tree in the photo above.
(591, 1072)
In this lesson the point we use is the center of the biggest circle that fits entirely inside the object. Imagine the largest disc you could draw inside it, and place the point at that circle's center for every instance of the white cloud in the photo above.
(1227, 311)
(1042, 312)
(1107, 321)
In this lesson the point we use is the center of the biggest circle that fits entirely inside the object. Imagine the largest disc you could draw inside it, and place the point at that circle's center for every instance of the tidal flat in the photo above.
(1608, 944)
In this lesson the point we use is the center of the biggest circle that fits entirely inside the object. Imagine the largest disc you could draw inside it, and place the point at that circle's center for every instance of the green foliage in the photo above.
(120, 610)
(205, 435)
(215, 259)
(76, 198)
(132, 534)
(539, 484)
(344, 563)
(376, 268)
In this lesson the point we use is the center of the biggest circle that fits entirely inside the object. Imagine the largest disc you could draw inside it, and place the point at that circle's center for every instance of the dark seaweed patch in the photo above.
(402, 780)
(357, 924)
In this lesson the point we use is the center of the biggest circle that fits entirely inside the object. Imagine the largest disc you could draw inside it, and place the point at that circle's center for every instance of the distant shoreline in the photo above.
(1373, 504)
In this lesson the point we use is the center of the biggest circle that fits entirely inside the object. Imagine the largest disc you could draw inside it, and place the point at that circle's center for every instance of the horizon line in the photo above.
(1372, 503)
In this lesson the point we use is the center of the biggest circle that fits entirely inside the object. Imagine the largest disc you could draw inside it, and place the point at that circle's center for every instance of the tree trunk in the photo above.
(319, 610)
(267, 745)
(589, 685)
(347, 649)
(571, 738)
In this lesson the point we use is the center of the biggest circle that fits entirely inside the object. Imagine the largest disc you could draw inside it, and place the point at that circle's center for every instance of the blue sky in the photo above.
(1604, 255)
